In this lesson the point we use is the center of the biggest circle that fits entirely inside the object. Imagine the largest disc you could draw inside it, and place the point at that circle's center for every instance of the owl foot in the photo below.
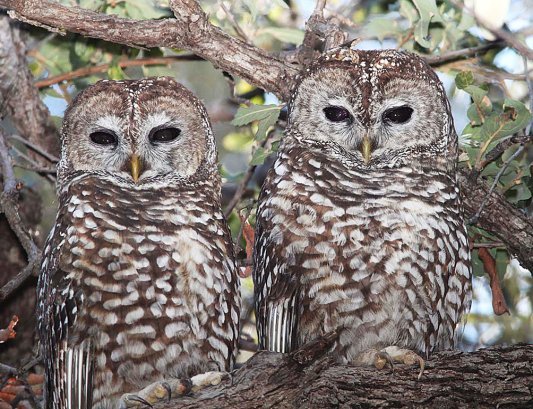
(389, 355)
(169, 388)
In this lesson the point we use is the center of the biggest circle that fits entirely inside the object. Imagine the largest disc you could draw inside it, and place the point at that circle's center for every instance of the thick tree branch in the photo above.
(190, 30)
(489, 378)
(19, 98)
(500, 218)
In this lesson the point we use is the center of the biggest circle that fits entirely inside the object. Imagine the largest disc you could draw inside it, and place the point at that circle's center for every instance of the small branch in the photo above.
(10, 207)
(86, 71)
(510, 38)
(494, 244)
(35, 148)
(499, 306)
(501, 147)
(14, 284)
(437, 60)
(475, 218)
(233, 22)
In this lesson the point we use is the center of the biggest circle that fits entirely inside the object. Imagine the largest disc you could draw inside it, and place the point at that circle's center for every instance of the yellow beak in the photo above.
(136, 167)
(366, 149)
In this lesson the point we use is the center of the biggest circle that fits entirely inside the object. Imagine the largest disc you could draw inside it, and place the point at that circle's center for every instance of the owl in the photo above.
(359, 222)
(138, 282)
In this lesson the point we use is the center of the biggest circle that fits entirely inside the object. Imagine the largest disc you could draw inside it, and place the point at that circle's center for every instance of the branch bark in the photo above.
(19, 98)
(488, 378)
(499, 217)
(190, 30)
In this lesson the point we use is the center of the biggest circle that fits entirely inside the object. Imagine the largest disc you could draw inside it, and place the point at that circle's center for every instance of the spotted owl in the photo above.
(138, 281)
(359, 223)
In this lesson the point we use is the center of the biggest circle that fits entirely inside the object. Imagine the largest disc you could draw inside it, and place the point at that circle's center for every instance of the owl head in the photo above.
(378, 109)
(138, 131)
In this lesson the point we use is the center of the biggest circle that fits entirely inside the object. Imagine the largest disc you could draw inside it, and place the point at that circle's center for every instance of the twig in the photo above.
(491, 245)
(35, 148)
(86, 71)
(10, 207)
(529, 83)
(243, 183)
(510, 38)
(233, 22)
(190, 30)
(500, 148)
(499, 306)
(437, 60)
(8, 370)
(12, 285)
(475, 218)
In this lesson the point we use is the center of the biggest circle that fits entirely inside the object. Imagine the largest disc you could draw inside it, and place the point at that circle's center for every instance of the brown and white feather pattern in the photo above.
(380, 251)
(138, 282)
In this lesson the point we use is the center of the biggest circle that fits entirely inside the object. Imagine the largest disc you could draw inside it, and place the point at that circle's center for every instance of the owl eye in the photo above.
(337, 114)
(398, 115)
(103, 138)
(164, 134)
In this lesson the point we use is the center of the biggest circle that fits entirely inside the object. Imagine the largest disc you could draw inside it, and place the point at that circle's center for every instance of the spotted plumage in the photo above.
(359, 223)
(138, 280)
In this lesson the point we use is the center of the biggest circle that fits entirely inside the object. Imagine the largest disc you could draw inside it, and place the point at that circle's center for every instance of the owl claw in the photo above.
(162, 390)
(405, 356)
(387, 356)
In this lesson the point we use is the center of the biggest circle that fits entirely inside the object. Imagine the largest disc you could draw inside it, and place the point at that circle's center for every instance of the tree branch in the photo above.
(19, 98)
(492, 377)
(9, 206)
(86, 71)
(190, 30)
(500, 217)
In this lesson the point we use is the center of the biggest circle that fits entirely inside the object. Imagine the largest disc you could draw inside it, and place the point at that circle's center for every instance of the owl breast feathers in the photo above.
(138, 280)
(359, 223)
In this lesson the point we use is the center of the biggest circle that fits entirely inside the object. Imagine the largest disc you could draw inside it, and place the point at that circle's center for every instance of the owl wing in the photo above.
(68, 368)
(276, 290)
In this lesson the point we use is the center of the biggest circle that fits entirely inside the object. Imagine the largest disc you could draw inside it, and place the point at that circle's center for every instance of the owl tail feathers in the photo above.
(279, 332)
(70, 378)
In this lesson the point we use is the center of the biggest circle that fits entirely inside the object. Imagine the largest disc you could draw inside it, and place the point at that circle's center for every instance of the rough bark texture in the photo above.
(19, 98)
(499, 217)
(494, 377)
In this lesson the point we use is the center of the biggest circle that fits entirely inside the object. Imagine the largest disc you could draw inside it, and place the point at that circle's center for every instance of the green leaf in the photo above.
(464, 79)
(245, 114)
(286, 35)
(264, 125)
(259, 157)
(409, 11)
(428, 12)
(381, 28)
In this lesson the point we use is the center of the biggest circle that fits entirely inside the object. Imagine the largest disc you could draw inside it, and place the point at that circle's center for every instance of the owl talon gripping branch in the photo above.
(165, 390)
(387, 356)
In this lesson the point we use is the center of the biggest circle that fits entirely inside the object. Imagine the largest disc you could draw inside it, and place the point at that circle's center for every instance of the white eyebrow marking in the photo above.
(111, 122)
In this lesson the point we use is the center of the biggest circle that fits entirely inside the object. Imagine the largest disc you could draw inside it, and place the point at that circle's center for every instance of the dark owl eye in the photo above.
(164, 134)
(103, 138)
(398, 115)
(337, 114)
